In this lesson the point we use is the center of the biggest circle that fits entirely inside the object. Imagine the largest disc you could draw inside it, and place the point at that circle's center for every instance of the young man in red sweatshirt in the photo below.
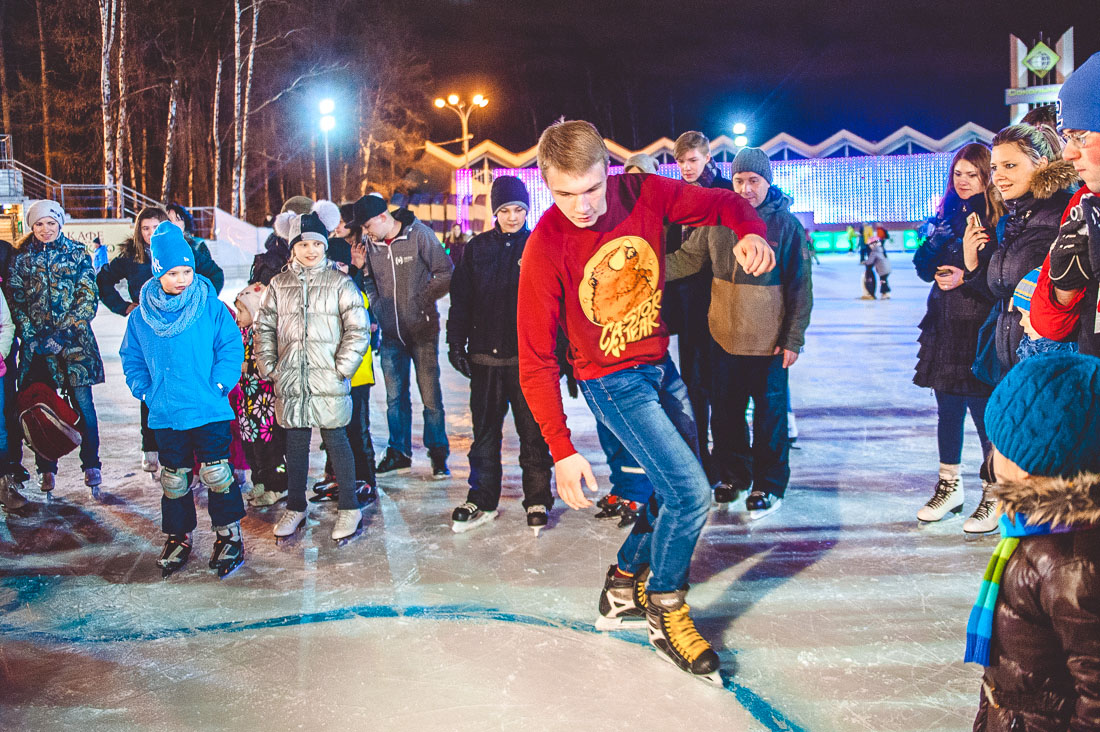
(594, 266)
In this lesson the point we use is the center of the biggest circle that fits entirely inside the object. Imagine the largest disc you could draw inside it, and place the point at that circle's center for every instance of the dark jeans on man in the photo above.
(950, 422)
(628, 479)
(492, 390)
(181, 449)
(148, 435)
(268, 460)
(694, 350)
(735, 379)
(397, 358)
(89, 433)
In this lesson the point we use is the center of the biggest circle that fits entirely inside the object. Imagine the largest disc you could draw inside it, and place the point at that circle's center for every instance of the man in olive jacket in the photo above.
(758, 325)
(404, 273)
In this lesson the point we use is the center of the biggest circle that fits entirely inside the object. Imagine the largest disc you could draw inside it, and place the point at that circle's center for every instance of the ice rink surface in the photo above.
(835, 613)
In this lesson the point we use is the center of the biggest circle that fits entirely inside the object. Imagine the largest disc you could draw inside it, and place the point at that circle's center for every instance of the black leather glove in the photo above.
(571, 385)
(1069, 255)
(458, 359)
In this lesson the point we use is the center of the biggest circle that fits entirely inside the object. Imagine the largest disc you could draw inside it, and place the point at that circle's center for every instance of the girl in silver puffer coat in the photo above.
(311, 334)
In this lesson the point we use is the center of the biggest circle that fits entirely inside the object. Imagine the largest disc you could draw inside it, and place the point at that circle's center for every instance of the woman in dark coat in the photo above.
(949, 331)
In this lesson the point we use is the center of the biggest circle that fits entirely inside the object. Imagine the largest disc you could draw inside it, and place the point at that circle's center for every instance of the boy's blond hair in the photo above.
(689, 141)
(571, 147)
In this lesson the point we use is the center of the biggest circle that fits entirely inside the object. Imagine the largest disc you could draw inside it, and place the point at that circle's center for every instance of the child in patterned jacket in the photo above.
(254, 402)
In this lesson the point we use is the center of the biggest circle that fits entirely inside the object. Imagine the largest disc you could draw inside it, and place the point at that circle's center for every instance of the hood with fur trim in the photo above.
(1062, 501)
(1055, 176)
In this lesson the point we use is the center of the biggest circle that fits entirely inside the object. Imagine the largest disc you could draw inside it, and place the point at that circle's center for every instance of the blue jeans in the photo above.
(647, 408)
(89, 433)
(396, 359)
(950, 422)
(181, 449)
(628, 480)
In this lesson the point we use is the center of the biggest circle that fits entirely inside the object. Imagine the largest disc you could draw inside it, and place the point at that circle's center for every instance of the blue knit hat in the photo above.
(1079, 98)
(169, 249)
(1045, 414)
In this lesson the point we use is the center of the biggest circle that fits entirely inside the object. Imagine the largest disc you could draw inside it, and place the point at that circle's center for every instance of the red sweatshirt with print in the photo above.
(602, 285)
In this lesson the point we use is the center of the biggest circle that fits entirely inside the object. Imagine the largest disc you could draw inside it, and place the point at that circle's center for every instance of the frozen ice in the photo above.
(835, 613)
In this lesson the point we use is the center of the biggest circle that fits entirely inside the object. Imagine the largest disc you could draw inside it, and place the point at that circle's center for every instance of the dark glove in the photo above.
(1070, 268)
(1090, 205)
(458, 359)
(571, 385)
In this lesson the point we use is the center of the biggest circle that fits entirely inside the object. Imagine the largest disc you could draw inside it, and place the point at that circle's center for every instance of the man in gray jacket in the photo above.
(404, 272)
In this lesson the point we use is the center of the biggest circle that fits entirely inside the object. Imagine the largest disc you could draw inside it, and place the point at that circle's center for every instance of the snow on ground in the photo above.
(836, 613)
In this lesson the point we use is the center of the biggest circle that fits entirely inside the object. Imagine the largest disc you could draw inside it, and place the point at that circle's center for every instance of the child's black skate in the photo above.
(176, 550)
(324, 484)
(228, 551)
(672, 632)
(325, 492)
(609, 507)
(365, 493)
(628, 513)
(469, 516)
(537, 518)
(623, 601)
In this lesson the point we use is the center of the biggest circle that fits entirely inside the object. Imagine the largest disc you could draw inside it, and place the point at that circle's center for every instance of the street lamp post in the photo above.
(463, 110)
(327, 107)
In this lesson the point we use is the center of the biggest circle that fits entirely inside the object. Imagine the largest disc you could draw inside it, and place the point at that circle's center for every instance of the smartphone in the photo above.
(974, 220)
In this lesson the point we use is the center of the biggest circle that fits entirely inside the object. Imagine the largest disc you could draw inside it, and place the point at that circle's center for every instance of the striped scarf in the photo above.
(979, 628)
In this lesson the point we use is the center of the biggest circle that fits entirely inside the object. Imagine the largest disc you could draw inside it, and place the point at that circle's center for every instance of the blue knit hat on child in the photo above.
(1045, 415)
(1079, 97)
(169, 249)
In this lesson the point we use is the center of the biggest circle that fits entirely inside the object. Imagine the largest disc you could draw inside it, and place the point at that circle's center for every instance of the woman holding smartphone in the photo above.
(949, 331)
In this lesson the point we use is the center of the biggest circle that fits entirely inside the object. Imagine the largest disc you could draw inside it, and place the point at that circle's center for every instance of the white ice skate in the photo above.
(468, 516)
(288, 524)
(150, 462)
(985, 517)
(348, 523)
(948, 498)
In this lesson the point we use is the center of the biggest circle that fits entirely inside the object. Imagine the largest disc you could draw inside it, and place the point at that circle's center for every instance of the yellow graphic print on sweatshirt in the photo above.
(620, 292)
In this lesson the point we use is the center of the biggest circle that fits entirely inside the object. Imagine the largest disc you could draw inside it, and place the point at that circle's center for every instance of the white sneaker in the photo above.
(348, 521)
(985, 516)
(948, 498)
(288, 523)
(150, 461)
(10, 498)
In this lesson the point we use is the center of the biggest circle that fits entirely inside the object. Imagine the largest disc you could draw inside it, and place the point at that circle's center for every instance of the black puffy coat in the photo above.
(1030, 226)
(1044, 661)
(484, 291)
(949, 330)
(271, 261)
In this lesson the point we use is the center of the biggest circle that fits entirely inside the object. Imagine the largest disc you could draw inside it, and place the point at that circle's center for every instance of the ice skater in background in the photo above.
(254, 402)
(310, 338)
(481, 337)
(872, 255)
(181, 355)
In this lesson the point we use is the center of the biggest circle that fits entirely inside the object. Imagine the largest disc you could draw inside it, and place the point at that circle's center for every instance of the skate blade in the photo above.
(979, 535)
(757, 515)
(323, 498)
(343, 540)
(225, 570)
(461, 527)
(953, 513)
(612, 624)
(536, 529)
(714, 678)
(280, 540)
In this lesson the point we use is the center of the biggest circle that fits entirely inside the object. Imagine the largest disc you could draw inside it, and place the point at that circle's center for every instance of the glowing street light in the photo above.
(328, 123)
(739, 128)
(463, 110)
(740, 141)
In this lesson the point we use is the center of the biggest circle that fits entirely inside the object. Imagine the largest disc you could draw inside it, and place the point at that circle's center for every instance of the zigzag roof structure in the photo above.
(905, 140)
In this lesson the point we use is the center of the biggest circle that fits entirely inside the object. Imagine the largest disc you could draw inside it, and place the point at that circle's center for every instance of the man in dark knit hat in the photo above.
(404, 272)
(481, 333)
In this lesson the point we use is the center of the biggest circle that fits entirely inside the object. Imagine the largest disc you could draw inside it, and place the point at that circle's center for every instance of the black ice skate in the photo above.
(760, 504)
(623, 601)
(228, 551)
(175, 553)
(609, 507)
(394, 462)
(628, 513)
(469, 516)
(325, 485)
(672, 632)
(365, 493)
(726, 492)
(537, 518)
(440, 471)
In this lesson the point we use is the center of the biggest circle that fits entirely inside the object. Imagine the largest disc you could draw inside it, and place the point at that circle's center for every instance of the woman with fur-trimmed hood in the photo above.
(1028, 171)
(1036, 624)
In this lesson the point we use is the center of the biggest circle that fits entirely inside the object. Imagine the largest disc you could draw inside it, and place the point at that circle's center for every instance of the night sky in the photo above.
(807, 68)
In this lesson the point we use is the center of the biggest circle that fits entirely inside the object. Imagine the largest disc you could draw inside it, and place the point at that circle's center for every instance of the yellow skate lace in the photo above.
(640, 598)
(683, 635)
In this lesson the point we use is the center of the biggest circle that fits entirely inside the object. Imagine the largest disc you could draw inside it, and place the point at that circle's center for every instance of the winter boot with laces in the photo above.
(228, 551)
(623, 600)
(468, 516)
(948, 498)
(985, 516)
(673, 633)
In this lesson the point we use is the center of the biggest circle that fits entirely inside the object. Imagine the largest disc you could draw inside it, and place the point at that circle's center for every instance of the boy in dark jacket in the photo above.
(1036, 624)
(758, 326)
(182, 355)
(404, 273)
(481, 333)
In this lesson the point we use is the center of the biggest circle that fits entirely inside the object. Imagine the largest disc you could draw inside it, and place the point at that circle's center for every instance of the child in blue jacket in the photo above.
(182, 356)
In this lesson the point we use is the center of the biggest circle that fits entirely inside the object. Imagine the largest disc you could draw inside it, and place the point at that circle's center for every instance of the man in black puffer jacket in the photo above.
(481, 334)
